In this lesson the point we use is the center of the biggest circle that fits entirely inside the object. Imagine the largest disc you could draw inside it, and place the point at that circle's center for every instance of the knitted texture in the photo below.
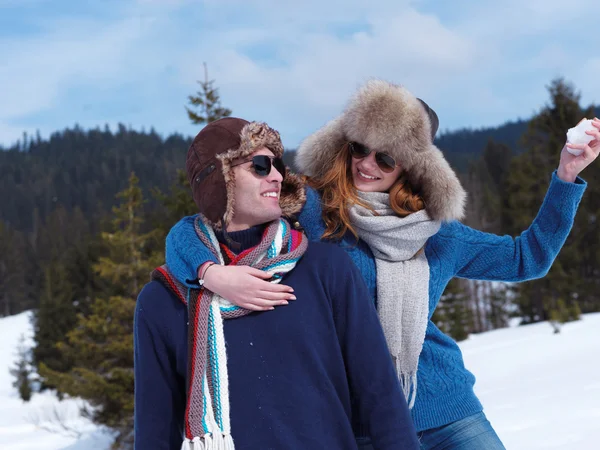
(207, 423)
(445, 391)
(402, 279)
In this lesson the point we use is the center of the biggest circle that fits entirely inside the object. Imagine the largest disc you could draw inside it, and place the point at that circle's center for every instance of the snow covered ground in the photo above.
(36, 424)
(539, 390)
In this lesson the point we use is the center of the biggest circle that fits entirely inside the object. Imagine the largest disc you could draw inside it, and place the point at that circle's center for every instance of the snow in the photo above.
(577, 134)
(18, 429)
(540, 390)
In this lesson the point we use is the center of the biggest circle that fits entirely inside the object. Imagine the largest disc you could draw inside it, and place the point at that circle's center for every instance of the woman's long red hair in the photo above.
(338, 194)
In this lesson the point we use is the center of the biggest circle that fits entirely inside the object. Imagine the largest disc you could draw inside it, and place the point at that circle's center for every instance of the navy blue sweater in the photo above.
(296, 374)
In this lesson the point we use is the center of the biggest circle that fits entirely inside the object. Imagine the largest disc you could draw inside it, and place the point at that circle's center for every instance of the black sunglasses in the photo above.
(383, 160)
(262, 165)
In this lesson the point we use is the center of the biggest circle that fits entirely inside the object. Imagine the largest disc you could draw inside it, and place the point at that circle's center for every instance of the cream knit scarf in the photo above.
(402, 279)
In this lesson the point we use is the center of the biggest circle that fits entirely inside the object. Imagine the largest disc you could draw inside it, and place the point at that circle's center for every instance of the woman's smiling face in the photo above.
(368, 176)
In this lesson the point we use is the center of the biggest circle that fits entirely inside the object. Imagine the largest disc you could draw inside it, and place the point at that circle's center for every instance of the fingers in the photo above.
(276, 287)
(585, 151)
(252, 307)
(280, 296)
(576, 146)
(259, 304)
(266, 286)
(590, 152)
(258, 273)
(596, 131)
(579, 149)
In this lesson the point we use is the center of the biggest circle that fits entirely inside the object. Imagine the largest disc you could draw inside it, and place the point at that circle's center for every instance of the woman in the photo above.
(384, 192)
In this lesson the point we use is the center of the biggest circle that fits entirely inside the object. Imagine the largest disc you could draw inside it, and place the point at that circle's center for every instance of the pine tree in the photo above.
(554, 319)
(208, 101)
(68, 284)
(526, 186)
(499, 301)
(55, 317)
(13, 288)
(574, 311)
(452, 314)
(101, 344)
(176, 204)
(22, 371)
(130, 260)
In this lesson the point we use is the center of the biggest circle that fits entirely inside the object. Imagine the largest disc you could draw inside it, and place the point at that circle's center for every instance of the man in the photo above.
(226, 377)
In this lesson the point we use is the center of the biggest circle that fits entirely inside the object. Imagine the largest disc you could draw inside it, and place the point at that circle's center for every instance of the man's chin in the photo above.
(268, 217)
(275, 215)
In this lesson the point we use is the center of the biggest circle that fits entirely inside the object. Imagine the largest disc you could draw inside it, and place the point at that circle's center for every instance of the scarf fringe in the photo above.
(408, 382)
(208, 412)
(219, 441)
(402, 279)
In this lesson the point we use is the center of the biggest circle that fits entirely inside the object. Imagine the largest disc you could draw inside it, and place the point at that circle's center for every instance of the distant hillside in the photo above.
(83, 168)
(86, 168)
(463, 146)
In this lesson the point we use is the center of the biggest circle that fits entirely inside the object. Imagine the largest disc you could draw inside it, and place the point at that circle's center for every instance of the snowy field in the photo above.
(540, 391)
(38, 424)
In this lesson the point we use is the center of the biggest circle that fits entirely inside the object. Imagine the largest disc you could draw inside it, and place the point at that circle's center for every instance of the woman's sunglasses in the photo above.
(385, 162)
(261, 164)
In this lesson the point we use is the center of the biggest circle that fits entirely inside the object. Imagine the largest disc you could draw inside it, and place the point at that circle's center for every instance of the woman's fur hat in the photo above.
(387, 118)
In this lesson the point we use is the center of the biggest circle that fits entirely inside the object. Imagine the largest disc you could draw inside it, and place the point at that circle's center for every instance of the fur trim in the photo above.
(319, 150)
(255, 135)
(293, 194)
(388, 118)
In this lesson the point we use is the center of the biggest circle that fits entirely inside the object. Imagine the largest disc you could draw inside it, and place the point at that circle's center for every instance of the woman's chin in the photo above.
(366, 186)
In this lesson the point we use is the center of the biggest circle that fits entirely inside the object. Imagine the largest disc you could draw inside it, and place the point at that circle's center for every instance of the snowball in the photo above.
(576, 135)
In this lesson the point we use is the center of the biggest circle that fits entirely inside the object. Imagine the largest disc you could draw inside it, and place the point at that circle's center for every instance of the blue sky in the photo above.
(291, 64)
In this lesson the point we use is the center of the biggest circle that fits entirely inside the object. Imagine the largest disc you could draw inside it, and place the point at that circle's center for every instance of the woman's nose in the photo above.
(370, 160)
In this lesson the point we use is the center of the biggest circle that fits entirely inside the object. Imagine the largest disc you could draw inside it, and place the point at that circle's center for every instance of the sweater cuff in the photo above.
(565, 188)
(195, 263)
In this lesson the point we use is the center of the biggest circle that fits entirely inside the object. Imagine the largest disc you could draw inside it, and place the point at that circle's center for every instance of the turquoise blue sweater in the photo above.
(445, 387)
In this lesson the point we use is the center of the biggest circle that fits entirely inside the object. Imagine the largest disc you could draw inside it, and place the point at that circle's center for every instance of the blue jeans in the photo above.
(471, 433)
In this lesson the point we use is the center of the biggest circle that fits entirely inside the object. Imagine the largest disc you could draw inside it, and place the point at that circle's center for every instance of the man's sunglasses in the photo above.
(262, 165)
(385, 162)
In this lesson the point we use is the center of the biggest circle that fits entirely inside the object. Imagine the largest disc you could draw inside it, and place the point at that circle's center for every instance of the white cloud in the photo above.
(42, 68)
(295, 65)
(319, 71)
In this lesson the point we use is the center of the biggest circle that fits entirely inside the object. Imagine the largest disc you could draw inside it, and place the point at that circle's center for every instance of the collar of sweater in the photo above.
(248, 238)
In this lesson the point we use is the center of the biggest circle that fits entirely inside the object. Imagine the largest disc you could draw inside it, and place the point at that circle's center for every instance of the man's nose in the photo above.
(274, 176)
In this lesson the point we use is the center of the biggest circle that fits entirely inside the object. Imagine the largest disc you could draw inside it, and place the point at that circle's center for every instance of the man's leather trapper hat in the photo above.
(209, 171)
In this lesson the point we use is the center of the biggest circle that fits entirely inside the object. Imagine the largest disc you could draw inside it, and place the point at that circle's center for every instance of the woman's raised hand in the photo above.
(570, 165)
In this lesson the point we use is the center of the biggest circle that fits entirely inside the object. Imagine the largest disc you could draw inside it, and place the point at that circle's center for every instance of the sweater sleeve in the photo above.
(485, 256)
(373, 381)
(159, 391)
(310, 216)
(185, 252)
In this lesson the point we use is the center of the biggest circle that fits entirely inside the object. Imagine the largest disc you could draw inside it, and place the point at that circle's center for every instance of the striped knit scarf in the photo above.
(207, 422)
